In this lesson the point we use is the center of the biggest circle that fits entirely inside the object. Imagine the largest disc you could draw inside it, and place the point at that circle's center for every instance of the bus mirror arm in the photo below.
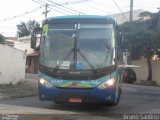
(74, 36)
(120, 40)
(120, 37)
(34, 33)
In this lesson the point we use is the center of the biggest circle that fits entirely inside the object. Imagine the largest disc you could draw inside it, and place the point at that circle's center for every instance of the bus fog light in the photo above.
(45, 83)
(42, 96)
(108, 98)
(108, 83)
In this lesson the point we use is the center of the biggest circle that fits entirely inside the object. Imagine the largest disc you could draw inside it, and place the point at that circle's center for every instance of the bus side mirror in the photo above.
(119, 38)
(34, 33)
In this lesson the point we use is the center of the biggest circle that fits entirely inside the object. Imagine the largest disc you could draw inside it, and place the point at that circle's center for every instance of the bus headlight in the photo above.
(45, 83)
(108, 83)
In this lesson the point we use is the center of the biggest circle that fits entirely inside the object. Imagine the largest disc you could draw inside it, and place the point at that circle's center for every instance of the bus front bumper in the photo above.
(75, 95)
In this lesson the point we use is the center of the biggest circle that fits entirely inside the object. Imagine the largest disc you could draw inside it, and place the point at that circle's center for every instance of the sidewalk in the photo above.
(25, 89)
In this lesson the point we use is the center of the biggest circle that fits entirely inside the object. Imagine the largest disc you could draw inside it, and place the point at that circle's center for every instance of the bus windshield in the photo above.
(95, 46)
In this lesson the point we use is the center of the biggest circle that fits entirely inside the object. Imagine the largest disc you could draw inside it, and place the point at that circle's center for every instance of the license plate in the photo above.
(75, 100)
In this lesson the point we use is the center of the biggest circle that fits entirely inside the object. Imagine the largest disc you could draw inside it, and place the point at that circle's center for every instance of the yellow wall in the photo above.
(142, 71)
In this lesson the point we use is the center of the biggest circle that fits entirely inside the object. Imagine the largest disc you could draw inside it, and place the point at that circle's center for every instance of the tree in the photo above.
(142, 37)
(137, 35)
(148, 54)
(155, 19)
(25, 29)
(155, 27)
(145, 14)
(32, 24)
(22, 30)
(2, 40)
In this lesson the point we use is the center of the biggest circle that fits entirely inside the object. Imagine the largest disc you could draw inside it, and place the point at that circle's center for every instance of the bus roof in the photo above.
(109, 18)
(82, 16)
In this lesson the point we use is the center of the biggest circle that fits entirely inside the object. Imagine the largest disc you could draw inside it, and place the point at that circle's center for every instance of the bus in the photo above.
(78, 59)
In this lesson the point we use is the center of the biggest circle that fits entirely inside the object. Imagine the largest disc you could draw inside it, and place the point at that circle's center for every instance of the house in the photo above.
(23, 44)
(32, 62)
(32, 55)
(9, 43)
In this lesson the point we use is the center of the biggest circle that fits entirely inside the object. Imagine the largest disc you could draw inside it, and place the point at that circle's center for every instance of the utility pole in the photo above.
(131, 10)
(46, 11)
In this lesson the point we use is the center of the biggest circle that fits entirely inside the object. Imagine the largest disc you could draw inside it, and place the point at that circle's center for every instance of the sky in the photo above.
(13, 12)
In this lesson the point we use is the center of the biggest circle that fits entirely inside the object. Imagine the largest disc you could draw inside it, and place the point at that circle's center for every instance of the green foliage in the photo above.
(2, 40)
(146, 13)
(155, 27)
(139, 34)
(24, 29)
(32, 24)
(155, 20)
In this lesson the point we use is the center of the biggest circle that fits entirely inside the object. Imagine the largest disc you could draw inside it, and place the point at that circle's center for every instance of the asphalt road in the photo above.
(135, 99)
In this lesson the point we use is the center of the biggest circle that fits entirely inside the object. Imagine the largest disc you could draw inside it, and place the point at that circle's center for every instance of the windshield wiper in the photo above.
(63, 59)
(86, 60)
(75, 50)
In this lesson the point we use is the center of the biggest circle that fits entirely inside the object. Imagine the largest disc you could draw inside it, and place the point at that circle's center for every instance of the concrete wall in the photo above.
(12, 65)
(142, 71)
(24, 46)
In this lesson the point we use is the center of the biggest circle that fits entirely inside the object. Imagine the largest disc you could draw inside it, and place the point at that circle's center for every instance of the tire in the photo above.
(114, 103)
(131, 76)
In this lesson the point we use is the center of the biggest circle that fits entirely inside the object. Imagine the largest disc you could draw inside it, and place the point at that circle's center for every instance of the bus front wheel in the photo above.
(116, 101)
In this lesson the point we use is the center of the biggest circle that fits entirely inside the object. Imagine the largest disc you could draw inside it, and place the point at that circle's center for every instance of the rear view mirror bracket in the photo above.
(34, 33)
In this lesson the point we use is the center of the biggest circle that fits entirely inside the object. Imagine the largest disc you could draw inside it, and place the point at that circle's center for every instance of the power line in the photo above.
(46, 11)
(20, 15)
(65, 7)
(41, 3)
(53, 7)
(96, 8)
(75, 2)
(120, 10)
(58, 11)
(46, 6)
